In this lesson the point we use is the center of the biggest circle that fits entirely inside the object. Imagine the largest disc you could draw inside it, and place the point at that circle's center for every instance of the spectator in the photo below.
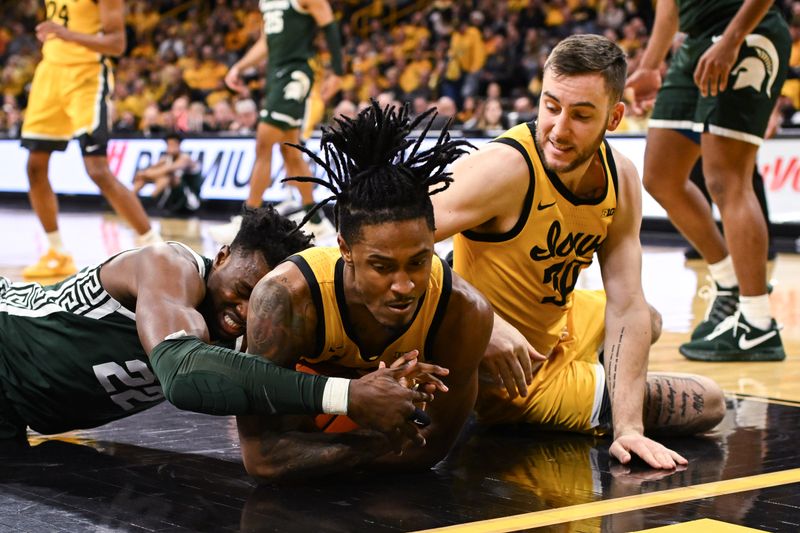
(222, 116)
(152, 123)
(493, 117)
(524, 110)
(446, 109)
(433, 53)
(246, 117)
(176, 178)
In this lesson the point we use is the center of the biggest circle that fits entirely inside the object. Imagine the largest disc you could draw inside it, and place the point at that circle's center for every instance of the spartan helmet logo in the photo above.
(297, 89)
(752, 71)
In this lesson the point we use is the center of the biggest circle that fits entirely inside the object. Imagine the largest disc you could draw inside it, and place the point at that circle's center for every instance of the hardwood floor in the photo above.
(168, 470)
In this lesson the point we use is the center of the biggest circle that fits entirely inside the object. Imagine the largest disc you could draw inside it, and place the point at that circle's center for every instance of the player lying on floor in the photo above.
(161, 321)
(381, 293)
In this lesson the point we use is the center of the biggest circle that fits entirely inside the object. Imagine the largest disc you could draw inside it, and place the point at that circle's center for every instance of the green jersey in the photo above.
(708, 17)
(290, 32)
(70, 355)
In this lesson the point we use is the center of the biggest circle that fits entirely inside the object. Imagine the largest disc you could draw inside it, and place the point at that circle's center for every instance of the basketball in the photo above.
(329, 423)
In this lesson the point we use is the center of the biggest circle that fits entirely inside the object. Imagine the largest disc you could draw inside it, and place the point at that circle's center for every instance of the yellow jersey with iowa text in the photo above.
(81, 16)
(337, 338)
(529, 273)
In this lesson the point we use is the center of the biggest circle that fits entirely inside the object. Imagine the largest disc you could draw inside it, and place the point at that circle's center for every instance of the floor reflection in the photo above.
(178, 470)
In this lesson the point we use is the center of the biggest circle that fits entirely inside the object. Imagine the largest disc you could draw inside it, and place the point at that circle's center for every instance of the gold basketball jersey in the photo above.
(530, 272)
(323, 269)
(81, 16)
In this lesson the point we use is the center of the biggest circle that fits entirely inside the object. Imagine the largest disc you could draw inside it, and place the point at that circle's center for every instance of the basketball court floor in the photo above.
(167, 470)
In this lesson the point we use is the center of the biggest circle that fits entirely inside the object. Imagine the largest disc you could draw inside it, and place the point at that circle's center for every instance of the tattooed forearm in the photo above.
(289, 454)
(613, 363)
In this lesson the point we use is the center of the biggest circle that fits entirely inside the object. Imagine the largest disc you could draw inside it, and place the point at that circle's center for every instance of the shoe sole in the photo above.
(721, 357)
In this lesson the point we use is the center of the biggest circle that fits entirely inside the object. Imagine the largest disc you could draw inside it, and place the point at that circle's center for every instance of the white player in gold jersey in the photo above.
(528, 212)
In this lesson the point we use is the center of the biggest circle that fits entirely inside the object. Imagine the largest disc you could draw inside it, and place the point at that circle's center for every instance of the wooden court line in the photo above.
(765, 399)
(626, 503)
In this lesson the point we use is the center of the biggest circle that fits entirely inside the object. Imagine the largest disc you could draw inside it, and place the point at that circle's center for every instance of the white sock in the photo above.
(755, 310)
(151, 237)
(54, 239)
(723, 274)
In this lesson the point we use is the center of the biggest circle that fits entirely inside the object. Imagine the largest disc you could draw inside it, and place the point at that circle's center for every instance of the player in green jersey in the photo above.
(289, 29)
(716, 100)
(119, 337)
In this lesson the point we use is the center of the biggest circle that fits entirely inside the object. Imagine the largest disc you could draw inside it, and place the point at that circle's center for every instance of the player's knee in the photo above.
(291, 154)
(264, 149)
(37, 169)
(717, 189)
(100, 174)
(262, 471)
(655, 324)
(658, 185)
(652, 184)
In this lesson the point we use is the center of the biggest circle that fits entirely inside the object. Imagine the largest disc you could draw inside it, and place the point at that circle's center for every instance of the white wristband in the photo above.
(335, 396)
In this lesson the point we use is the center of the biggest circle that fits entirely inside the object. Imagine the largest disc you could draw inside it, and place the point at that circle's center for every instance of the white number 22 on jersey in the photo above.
(140, 389)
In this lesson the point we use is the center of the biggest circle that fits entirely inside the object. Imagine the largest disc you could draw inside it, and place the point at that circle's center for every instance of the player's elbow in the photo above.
(117, 45)
(263, 473)
(262, 469)
(181, 401)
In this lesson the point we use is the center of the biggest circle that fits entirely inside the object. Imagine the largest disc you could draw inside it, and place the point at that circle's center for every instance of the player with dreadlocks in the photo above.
(380, 294)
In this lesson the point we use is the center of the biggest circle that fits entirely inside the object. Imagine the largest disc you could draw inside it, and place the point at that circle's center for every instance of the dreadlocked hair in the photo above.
(376, 173)
(275, 236)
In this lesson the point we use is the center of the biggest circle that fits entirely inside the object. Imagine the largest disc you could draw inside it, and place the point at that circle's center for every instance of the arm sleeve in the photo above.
(218, 381)
(334, 42)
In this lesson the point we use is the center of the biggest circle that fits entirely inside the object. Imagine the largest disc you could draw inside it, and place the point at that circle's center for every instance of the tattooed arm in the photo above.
(627, 329)
(281, 320)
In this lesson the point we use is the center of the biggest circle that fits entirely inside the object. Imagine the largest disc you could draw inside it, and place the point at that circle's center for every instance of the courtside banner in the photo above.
(226, 165)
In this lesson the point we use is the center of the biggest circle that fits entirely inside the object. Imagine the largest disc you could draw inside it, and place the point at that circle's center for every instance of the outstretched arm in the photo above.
(163, 284)
(168, 289)
(627, 329)
(111, 41)
(487, 194)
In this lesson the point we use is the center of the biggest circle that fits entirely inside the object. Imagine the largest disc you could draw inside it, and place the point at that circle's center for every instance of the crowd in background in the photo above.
(478, 61)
